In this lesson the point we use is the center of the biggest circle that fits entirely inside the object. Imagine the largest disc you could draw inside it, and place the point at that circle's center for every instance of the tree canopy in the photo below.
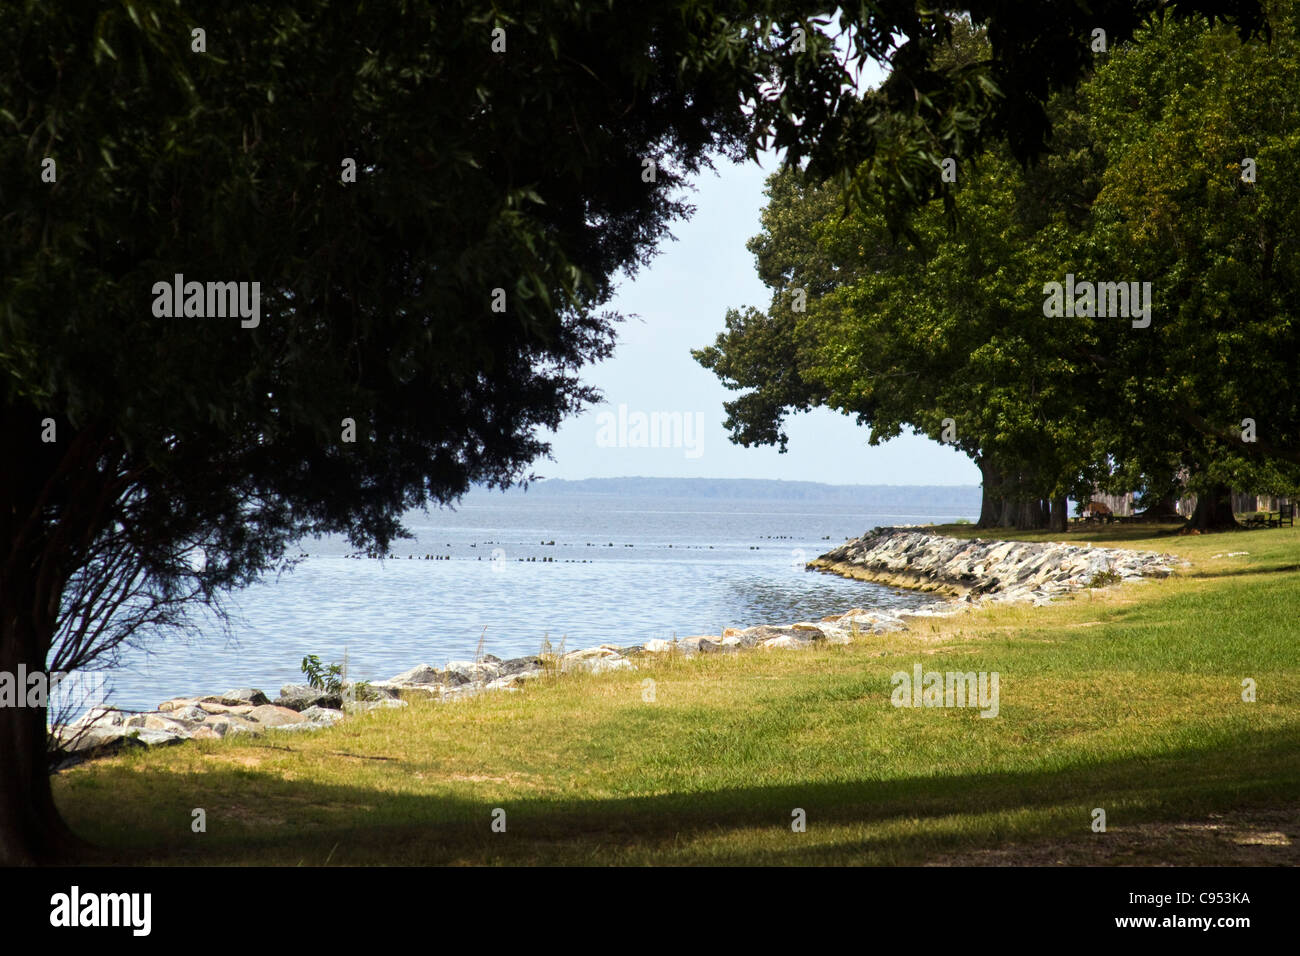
(946, 330)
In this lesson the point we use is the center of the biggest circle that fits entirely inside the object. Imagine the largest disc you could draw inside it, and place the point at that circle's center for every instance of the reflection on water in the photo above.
(619, 570)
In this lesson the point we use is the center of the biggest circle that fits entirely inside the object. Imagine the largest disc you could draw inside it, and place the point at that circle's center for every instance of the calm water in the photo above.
(624, 570)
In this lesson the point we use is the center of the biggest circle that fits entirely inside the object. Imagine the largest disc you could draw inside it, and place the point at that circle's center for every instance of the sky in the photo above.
(681, 300)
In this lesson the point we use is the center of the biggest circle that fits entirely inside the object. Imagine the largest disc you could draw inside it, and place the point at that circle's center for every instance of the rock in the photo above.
(245, 695)
(323, 715)
(205, 733)
(658, 646)
(718, 647)
(785, 642)
(755, 636)
(303, 696)
(189, 712)
(101, 717)
(91, 739)
(364, 706)
(157, 722)
(219, 725)
(420, 674)
(592, 653)
(154, 738)
(235, 724)
(979, 570)
(521, 665)
(423, 691)
(370, 690)
(213, 705)
(98, 740)
(269, 715)
(596, 660)
(177, 703)
(470, 672)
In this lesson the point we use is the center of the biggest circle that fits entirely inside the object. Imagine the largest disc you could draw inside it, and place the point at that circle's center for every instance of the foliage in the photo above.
(328, 678)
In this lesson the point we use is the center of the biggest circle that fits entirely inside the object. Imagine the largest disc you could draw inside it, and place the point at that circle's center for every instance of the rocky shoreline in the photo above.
(979, 570)
(968, 572)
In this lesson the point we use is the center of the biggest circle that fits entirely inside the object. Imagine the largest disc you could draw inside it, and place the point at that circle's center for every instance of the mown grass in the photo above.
(1128, 699)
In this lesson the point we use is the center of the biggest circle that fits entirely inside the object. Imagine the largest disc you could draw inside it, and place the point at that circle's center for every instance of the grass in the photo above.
(1128, 699)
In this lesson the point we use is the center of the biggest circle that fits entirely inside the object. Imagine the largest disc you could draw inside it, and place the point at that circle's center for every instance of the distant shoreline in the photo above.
(950, 500)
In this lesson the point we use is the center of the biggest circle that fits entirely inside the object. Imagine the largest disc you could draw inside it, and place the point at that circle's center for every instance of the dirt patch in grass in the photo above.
(239, 760)
(1242, 838)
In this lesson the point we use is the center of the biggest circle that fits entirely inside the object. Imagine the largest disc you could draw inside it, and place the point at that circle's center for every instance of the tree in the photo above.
(1209, 386)
(1049, 406)
(940, 330)
(432, 225)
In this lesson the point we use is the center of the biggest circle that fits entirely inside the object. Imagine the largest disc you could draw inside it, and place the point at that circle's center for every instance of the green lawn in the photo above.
(1128, 699)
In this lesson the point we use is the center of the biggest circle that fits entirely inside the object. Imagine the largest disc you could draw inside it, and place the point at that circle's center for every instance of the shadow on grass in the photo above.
(274, 821)
(1258, 570)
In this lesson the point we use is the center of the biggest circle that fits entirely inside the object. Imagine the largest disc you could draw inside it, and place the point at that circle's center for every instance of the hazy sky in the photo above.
(682, 298)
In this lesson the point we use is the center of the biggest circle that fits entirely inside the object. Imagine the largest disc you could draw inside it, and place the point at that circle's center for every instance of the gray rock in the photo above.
(101, 717)
(364, 706)
(420, 674)
(323, 715)
(188, 713)
(717, 647)
(519, 665)
(244, 695)
(269, 715)
(469, 672)
(159, 722)
(302, 696)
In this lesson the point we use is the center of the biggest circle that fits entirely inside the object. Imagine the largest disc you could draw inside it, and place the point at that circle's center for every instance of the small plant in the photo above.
(327, 678)
(1104, 578)
(550, 657)
(361, 690)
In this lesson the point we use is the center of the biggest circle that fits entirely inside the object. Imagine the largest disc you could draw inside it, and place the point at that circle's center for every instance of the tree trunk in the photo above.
(1214, 510)
(990, 495)
(1060, 515)
(1166, 507)
(31, 829)
(1030, 515)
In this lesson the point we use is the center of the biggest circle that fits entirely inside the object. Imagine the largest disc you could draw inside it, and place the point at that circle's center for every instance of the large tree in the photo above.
(949, 324)
(1200, 130)
(939, 330)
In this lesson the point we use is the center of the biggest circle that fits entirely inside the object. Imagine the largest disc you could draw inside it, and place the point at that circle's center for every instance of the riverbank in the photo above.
(1124, 698)
(910, 557)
